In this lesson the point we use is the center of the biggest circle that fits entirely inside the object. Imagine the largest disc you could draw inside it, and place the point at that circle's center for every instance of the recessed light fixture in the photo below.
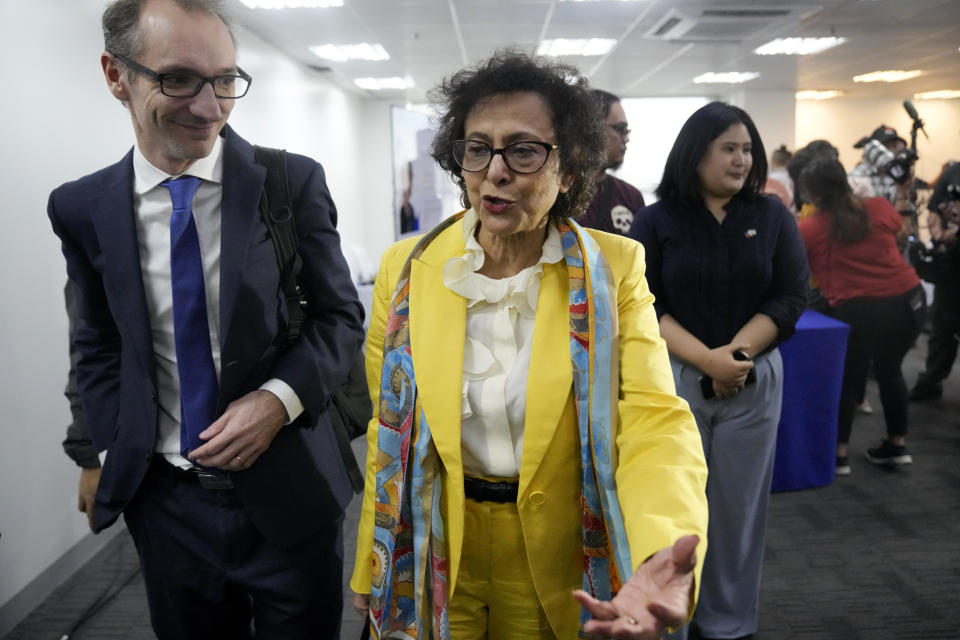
(575, 47)
(343, 52)
(380, 84)
(945, 94)
(727, 77)
(292, 4)
(815, 94)
(894, 75)
(797, 46)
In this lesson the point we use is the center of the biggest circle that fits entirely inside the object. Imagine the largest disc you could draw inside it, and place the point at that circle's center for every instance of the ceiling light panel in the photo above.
(344, 52)
(575, 47)
(292, 4)
(381, 84)
(728, 77)
(894, 75)
(815, 94)
(797, 46)
(945, 94)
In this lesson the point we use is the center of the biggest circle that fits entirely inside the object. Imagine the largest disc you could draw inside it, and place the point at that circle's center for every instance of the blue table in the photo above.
(812, 377)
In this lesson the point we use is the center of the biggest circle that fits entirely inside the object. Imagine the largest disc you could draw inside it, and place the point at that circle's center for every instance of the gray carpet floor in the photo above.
(875, 555)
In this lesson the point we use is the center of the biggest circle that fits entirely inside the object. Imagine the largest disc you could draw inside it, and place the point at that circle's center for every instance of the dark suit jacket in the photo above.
(299, 485)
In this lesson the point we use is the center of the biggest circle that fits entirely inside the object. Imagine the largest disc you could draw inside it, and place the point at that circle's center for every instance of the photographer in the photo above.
(886, 171)
(940, 265)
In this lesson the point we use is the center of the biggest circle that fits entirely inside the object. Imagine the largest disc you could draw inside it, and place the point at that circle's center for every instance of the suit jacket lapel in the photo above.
(239, 210)
(115, 222)
(550, 370)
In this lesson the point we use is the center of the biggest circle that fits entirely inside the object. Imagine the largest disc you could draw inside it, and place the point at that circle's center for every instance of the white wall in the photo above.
(59, 123)
(376, 137)
(843, 121)
(774, 113)
(654, 124)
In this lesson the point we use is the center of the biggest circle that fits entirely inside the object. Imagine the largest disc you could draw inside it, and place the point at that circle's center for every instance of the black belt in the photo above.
(485, 491)
(203, 477)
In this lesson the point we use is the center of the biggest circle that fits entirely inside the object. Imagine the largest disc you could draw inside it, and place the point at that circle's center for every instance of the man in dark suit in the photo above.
(219, 451)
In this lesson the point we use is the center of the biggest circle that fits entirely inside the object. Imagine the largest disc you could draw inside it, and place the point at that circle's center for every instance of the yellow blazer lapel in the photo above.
(438, 319)
(437, 332)
(551, 375)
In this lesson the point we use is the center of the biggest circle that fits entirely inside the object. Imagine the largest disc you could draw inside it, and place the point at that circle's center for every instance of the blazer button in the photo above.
(537, 498)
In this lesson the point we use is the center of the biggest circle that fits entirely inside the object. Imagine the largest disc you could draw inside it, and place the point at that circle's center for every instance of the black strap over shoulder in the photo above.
(350, 404)
(276, 209)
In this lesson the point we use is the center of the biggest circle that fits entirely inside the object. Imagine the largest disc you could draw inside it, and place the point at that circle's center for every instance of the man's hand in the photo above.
(237, 438)
(655, 597)
(87, 491)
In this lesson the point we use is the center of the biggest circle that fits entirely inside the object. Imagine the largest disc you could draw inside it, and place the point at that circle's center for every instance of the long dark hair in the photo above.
(825, 182)
(680, 177)
(803, 157)
(575, 113)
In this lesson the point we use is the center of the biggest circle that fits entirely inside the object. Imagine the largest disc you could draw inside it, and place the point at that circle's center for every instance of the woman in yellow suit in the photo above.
(527, 440)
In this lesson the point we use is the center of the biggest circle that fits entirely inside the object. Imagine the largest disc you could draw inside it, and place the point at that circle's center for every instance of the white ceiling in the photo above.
(430, 39)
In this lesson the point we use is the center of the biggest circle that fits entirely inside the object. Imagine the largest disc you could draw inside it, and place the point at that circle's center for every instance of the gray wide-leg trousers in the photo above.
(739, 438)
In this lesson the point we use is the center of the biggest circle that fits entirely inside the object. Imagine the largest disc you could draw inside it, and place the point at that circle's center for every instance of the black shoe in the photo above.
(843, 466)
(922, 393)
(888, 454)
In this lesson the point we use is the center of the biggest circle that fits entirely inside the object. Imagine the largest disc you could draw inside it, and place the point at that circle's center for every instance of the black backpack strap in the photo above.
(276, 209)
(350, 404)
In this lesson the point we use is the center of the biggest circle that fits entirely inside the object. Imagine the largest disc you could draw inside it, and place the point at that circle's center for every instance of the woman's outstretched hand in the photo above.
(655, 597)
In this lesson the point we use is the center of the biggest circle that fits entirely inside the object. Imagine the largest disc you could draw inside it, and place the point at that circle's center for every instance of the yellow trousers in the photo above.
(494, 596)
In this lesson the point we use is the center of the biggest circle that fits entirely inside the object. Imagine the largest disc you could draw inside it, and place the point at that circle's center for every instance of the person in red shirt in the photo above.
(852, 248)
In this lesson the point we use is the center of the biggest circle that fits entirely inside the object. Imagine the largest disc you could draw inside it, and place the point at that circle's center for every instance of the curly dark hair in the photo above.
(680, 177)
(574, 110)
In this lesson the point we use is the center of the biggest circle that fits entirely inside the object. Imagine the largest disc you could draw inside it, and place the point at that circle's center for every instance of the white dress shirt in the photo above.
(496, 357)
(152, 209)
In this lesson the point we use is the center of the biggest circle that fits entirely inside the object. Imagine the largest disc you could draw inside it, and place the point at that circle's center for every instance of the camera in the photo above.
(901, 167)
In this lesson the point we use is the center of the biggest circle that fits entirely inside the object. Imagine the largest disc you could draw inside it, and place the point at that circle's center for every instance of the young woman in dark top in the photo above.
(853, 250)
(728, 269)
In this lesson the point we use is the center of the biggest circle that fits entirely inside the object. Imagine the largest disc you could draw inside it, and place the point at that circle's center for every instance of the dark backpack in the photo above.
(350, 407)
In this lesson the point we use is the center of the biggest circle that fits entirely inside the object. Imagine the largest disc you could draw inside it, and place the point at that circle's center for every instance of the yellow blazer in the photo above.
(661, 474)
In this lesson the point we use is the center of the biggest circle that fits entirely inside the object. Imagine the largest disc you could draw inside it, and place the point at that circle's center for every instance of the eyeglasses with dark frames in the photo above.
(621, 128)
(520, 157)
(184, 84)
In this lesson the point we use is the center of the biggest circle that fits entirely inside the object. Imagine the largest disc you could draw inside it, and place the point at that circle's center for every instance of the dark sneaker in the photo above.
(922, 393)
(888, 454)
(843, 466)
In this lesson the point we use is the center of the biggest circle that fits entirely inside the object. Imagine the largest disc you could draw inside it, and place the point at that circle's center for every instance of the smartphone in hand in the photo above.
(706, 387)
(742, 356)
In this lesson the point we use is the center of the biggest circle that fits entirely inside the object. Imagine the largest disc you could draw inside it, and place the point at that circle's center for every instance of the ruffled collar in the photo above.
(519, 291)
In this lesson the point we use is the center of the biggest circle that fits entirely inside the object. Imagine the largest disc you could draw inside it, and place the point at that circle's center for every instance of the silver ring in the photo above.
(242, 461)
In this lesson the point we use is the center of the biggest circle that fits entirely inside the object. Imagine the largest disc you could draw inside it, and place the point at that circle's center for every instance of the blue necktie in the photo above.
(191, 332)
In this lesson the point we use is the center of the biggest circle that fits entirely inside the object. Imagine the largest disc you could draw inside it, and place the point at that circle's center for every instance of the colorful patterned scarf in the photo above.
(408, 593)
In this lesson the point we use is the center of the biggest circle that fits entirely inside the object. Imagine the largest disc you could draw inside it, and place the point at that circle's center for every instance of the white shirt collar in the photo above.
(148, 177)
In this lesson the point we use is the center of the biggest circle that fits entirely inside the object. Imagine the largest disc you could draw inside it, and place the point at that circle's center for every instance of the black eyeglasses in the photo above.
(520, 157)
(183, 84)
(621, 128)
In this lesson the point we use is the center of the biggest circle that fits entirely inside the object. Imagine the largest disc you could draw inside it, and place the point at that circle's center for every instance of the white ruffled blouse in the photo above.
(496, 354)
